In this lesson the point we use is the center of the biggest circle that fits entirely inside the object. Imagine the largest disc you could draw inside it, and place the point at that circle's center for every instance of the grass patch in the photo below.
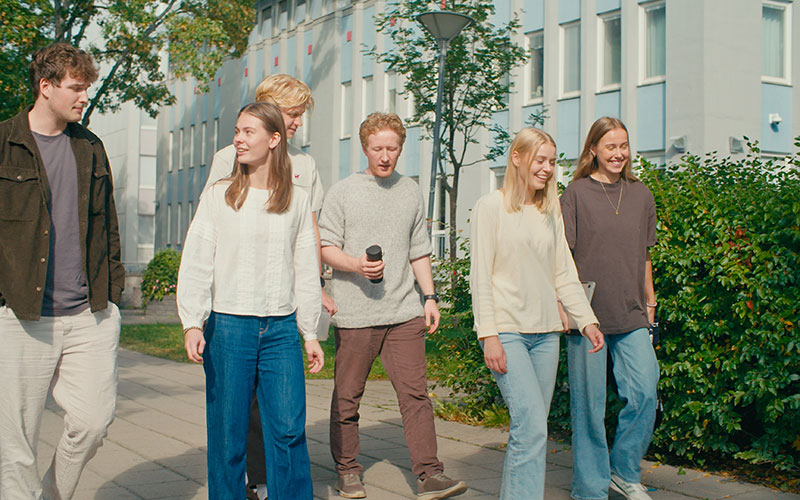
(166, 341)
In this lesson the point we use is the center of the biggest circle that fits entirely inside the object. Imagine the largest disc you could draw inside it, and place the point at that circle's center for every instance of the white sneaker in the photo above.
(631, 491)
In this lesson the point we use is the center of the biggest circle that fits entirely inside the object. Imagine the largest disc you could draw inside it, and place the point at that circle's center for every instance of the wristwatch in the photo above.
(434, 297)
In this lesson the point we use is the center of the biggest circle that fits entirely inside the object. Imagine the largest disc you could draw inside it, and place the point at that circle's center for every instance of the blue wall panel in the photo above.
(308, 59)
(533, 18)
(258, 67)
(368, 33)
(606, 5)
(607, 104)
(180, 104)
(217, 93)
(344, 158)
(501, 13)
(650, 110)
(347, 49)
(291, 57)
(776, 99)
(568, 137)
(316, 8)
(501, 118)
(568, 10)
(527, 111)
(244, 84)
(411, 152)
(274, 54)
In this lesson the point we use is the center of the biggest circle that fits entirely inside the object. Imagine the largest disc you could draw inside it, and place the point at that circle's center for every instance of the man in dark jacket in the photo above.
(60, 279)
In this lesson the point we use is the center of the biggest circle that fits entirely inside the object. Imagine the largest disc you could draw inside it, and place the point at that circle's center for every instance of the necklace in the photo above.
(619, 202)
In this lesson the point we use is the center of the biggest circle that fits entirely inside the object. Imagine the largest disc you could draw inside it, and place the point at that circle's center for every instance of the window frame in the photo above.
(601, 55)
(786, 7)
(562, 29)
(527, 80)
(643, 10)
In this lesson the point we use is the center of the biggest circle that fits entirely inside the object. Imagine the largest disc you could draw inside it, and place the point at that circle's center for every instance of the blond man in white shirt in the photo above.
(293, 98)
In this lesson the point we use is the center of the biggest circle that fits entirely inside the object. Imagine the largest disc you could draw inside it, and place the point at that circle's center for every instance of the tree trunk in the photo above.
(452, 227)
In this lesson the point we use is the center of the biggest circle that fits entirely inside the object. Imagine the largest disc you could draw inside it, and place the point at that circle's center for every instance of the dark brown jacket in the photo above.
(25, 219)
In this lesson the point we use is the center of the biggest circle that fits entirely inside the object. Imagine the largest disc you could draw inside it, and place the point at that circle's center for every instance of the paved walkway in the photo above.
(156, 446)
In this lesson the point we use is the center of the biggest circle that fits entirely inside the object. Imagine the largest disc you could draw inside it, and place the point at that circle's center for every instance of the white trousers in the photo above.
(75, 357)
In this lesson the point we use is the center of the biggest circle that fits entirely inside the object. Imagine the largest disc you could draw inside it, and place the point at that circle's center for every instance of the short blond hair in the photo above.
(285, 92)
(376, 122)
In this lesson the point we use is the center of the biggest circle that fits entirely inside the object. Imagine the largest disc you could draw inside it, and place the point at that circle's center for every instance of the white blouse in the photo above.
(250, 262)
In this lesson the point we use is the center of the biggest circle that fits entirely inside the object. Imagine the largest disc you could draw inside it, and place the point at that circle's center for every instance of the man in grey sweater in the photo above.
(390, 317)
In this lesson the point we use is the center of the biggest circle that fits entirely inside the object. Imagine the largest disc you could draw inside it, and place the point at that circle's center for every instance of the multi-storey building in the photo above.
(684, 75)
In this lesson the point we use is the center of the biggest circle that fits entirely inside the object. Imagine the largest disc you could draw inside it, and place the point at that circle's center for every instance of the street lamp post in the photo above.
(444, 26)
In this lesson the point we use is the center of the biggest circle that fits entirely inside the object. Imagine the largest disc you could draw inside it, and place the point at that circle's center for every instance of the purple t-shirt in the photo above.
(611, 249)
(66, 292)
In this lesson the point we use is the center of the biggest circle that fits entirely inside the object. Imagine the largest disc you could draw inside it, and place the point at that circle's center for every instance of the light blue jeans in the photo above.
(240, 351)
(527, 389)
(636, 372)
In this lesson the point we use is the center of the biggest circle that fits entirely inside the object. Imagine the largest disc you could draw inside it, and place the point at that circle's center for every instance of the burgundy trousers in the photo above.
(402, 351)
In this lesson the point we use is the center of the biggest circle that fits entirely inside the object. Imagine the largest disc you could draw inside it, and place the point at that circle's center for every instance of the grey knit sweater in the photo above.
(364, 210)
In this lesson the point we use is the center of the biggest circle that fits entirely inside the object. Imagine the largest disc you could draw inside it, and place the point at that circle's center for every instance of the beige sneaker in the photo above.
(439, 486)
(350, 486)
(631, 491)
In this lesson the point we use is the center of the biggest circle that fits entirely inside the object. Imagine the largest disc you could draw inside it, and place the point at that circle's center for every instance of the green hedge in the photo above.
(161, 276)
(727, 277)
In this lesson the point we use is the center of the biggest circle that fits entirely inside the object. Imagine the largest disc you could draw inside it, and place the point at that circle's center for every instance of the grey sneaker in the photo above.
(350, 486)
(631, 491)
(439, 486)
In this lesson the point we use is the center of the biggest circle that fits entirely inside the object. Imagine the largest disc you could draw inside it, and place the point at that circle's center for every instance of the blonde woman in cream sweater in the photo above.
(520, 265)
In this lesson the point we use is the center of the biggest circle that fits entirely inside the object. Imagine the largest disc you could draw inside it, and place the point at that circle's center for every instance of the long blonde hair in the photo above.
(515, 184)
(587, 162)
(279, 179)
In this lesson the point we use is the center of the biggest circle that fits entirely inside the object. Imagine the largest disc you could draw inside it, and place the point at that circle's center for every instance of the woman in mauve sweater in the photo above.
(520, 265)
(248, 282)
(610, 222)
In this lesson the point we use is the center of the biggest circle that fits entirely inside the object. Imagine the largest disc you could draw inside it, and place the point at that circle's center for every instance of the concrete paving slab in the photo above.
(155, 448)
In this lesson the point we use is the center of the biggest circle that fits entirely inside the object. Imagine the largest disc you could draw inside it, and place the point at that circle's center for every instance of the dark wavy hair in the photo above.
(55, 61)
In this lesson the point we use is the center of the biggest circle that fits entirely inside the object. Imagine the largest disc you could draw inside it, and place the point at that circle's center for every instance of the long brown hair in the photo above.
(515, 184)
(587, 162)
(279, 178)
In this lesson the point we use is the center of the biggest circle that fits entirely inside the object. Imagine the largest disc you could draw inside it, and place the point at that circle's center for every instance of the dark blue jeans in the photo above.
(240, 351)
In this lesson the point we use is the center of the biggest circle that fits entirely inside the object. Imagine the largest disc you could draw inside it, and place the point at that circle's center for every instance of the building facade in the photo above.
(684, 75)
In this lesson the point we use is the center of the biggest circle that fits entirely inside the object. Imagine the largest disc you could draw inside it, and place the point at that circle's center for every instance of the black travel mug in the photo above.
(374, 253)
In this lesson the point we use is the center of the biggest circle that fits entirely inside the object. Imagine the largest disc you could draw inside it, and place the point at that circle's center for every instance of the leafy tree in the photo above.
(476, 83)
(129, 38)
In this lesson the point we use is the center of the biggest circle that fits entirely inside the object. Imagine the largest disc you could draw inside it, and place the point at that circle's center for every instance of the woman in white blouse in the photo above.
(249, 273)
(520, 263)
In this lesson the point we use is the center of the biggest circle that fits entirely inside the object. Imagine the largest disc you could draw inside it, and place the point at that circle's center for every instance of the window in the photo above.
(180, 225)
(776, 42)
(610, 51)
(654, 63)
(299, 11)
(534, 80)
(203, 143)
(169, 224)
(283, 13)
(391, 92)
(347, 109)
(570, 59)
(191, 147)
(266, 22)
(170, 151)
(180, 150)
(367, 96)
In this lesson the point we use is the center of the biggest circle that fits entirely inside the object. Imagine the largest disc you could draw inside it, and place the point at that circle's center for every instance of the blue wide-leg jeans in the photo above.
(240, 351)
(527, 388)
(636, 372)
